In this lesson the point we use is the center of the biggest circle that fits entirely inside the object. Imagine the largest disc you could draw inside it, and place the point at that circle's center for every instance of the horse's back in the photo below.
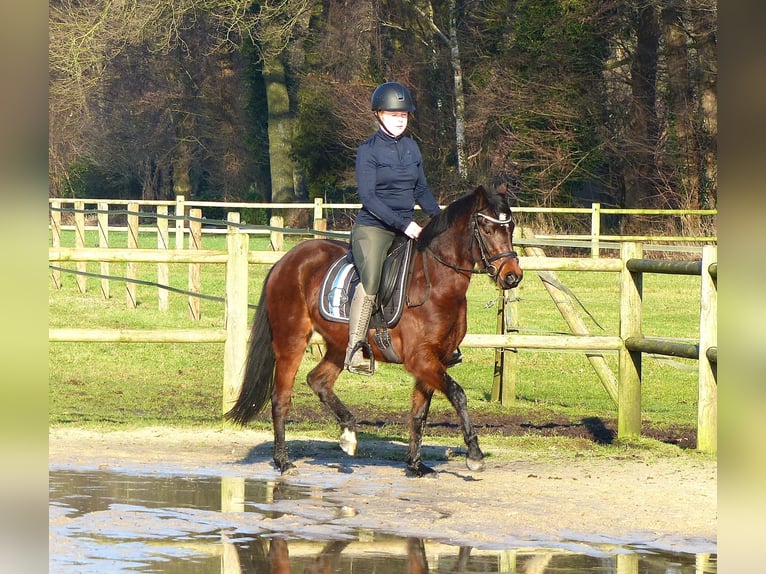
(313, 254)
(292, 294)
(303, 267)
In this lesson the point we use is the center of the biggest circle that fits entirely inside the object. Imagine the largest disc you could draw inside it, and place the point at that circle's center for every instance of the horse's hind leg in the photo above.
(281, 399)
(322, 379)
(289, 353)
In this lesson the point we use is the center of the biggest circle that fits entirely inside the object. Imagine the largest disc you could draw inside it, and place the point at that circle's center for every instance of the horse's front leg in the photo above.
(421, 402)
(456, 396)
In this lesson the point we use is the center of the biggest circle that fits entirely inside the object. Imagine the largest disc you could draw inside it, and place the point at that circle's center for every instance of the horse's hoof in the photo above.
(474, 464)
(421, 471)
(348, 442)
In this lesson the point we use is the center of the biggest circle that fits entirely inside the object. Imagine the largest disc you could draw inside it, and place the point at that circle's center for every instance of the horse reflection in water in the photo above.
(473, 234)
(273, 556)
(276, 559)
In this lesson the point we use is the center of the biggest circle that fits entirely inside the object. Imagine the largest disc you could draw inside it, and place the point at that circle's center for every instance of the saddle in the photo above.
(340, 282)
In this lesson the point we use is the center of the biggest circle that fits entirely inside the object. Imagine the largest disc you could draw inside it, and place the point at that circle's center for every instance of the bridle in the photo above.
(486, 258)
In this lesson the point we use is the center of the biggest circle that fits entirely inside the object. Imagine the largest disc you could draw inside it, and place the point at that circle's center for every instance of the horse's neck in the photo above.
(455, 247)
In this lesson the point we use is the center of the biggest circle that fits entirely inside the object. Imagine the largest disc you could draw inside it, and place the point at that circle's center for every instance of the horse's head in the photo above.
(484, 219)
(492, 226)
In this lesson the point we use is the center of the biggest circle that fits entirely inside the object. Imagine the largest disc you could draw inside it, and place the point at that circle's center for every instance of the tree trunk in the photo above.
(704, 17)
(457, 78)
(640, 170)
(182, 184)
(280, 131)
(681, 114)
(457, 75)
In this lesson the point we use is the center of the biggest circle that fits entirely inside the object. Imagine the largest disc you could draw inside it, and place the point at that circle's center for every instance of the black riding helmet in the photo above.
(392, 97)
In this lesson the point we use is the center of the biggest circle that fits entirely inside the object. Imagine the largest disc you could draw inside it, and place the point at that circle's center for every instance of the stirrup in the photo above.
(361, 368)
(456, 358)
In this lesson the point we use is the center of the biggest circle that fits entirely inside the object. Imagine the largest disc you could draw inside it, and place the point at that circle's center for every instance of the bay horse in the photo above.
(473, 234)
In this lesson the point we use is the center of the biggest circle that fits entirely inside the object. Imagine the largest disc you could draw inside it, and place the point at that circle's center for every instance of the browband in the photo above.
(505, 218)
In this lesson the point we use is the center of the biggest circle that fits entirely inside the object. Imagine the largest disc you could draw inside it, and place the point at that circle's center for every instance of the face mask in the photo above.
(394, 123)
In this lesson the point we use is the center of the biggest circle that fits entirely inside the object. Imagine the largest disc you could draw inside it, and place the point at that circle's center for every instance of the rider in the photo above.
(390, 179)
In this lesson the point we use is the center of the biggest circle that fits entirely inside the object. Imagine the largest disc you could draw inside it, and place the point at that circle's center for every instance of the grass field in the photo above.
(121, 385)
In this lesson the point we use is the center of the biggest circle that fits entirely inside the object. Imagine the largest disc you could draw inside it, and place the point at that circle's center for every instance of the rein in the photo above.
(486, 258)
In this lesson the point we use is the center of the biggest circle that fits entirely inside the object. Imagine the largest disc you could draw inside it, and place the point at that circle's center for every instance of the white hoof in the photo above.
(348, 442)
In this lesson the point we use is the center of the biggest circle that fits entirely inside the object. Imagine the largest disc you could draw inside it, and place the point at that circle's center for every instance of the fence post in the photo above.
(131, 266)
(195, 281)
(235, 347)
(318, 208)
(320, 223)
(277, 237)
(629, 385)
(595, 230)
(180, 214)
(707, 404)
(79, 243)
(506, 360)
(103, 243)
(56, 237)
(163, 270)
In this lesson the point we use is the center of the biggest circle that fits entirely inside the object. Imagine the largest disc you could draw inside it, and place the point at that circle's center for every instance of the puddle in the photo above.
(110, 522)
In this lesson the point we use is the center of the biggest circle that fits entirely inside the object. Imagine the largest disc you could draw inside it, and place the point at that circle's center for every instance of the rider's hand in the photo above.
(413, 230)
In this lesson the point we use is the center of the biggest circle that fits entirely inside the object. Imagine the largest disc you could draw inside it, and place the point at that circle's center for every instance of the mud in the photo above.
(632, 497)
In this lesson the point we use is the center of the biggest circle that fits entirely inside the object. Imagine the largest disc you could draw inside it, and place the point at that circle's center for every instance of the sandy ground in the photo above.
(637, 498)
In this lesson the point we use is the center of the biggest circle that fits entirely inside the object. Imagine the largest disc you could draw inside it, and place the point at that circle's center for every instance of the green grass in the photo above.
(122, 385)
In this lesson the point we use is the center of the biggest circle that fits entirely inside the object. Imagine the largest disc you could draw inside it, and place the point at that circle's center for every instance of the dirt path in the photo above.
(636, 498)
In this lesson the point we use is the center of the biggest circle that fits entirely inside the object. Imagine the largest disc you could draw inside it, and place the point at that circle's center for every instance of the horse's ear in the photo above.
(481, 197)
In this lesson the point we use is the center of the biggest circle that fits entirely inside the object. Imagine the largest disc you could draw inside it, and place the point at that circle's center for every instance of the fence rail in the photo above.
(630, 344)
(595, 240)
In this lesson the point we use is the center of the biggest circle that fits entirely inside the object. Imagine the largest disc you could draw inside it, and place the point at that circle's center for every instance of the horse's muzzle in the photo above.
(511, 274)
(510, 280)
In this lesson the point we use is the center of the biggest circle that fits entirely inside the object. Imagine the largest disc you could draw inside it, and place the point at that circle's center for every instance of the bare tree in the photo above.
(183, 43)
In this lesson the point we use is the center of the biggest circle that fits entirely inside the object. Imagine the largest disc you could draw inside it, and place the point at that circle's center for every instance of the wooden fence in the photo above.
(629, 344)
(595, 240)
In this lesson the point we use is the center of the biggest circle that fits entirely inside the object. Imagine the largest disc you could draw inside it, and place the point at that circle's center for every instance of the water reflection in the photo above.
(110, 522)
(419, 556)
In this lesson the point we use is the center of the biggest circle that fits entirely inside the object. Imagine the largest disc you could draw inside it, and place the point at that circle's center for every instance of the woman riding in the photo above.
(390, 179)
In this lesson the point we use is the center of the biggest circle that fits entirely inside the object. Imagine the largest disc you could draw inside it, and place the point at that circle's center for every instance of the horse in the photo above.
(473, 234)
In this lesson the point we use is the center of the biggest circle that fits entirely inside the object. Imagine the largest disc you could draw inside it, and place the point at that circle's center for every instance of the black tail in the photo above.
(258, 380)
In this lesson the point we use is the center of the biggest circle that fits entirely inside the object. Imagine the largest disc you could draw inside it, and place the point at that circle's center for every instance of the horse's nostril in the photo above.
(512, 280)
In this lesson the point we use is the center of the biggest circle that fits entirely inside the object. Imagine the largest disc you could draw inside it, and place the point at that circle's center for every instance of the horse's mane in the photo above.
(495, 200)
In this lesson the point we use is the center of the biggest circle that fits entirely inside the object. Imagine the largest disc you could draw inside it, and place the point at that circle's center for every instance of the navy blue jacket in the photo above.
(390, 179)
